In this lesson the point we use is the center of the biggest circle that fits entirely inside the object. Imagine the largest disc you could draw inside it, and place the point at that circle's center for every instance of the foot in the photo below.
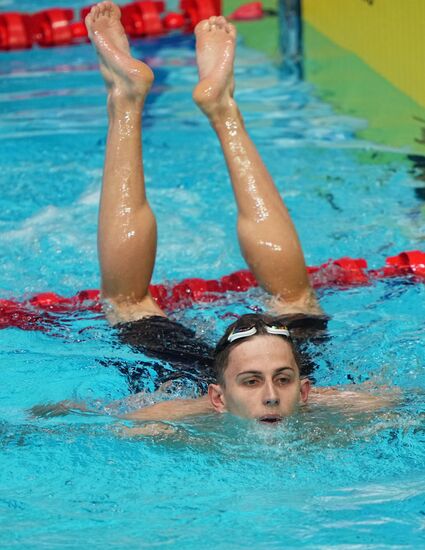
(215, 54)
(124, 76)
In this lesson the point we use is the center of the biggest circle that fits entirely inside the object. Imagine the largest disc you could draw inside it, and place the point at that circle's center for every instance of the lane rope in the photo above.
(60, 27)
(41, 310)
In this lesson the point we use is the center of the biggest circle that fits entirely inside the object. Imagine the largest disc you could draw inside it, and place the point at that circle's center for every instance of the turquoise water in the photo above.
(320, 481)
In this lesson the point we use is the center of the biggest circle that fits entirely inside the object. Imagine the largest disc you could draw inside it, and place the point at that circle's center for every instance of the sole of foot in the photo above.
(215, 54)
(124, 76)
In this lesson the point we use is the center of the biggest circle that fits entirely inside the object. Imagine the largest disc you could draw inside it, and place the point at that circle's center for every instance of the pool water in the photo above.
(320, 480)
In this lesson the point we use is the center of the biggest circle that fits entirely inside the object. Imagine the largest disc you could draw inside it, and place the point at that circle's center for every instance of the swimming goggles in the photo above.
(245, 332)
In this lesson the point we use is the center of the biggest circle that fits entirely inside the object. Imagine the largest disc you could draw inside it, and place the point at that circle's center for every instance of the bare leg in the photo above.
(127, 227)
(267, 236)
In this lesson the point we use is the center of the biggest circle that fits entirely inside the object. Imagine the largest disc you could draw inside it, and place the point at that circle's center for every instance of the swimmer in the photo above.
(256, 370)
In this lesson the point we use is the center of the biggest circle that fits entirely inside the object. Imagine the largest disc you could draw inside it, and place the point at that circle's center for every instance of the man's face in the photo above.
(261, 381)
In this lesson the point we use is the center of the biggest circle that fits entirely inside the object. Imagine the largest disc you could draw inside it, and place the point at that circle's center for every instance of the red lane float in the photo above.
(143, 19)
(248, 12)
(41, 311)
(15, 31)
(56, 26)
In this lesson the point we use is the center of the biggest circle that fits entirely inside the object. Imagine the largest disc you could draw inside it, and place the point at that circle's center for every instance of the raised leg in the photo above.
(267, 236)
(127, 228)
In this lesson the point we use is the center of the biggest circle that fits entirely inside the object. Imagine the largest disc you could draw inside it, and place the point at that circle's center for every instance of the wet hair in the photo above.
(258, 320)
(304, 330)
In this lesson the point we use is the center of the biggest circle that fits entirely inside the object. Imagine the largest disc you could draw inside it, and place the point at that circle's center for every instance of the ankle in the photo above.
(225, 114)
(119, 102)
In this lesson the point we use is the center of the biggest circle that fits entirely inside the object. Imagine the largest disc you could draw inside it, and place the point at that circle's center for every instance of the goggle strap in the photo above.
(279, 331)
(242, 334)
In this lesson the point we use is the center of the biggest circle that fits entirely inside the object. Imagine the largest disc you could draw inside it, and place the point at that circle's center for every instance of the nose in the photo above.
(272, 402)
(271, 397)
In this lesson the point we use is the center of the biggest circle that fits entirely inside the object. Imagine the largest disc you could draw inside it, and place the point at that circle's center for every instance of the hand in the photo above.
(51, 410)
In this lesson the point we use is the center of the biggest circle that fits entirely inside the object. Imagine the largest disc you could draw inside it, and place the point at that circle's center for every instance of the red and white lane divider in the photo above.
(40, 311)
(59, 26)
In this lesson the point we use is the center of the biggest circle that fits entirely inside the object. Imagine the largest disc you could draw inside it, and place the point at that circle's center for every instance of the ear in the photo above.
(305, 389)
(215, 394)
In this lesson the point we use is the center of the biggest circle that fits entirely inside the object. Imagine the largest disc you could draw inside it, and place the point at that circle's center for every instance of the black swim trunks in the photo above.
(172, 352)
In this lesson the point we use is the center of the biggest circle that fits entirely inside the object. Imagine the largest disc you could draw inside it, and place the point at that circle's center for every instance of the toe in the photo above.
(93, 13)
(221, 22)
(212, 21)
(202, 26)
(115, 10)
(232, 30)
(109, 6)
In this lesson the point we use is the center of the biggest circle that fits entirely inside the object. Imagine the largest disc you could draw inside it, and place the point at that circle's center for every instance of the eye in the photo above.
(250, 382)
(283, 380)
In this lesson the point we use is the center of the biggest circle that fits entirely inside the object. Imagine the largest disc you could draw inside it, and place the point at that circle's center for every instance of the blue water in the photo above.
(320, 481)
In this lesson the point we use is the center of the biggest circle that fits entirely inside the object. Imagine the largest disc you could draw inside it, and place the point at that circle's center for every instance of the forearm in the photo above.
(175, 409)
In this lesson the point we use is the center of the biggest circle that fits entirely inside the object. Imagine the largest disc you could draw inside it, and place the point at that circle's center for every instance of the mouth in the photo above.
(270, 419)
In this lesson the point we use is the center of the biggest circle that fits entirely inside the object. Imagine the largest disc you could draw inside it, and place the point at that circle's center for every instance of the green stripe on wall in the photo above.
(353, 88)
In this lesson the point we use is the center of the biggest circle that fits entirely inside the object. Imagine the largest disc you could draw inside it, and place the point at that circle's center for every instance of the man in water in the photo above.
(258, 371)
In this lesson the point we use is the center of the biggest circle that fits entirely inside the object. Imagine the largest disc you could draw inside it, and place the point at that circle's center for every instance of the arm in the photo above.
(175, 409)
(172, 410)
(354, 400)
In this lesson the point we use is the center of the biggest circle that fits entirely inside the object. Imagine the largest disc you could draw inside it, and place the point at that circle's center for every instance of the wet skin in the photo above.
(261, 381)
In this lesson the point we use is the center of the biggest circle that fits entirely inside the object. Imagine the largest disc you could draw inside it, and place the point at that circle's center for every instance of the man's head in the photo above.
(258, 370)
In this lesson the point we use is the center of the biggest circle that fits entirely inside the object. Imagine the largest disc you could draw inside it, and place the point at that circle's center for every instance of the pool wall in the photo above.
(367, 58)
